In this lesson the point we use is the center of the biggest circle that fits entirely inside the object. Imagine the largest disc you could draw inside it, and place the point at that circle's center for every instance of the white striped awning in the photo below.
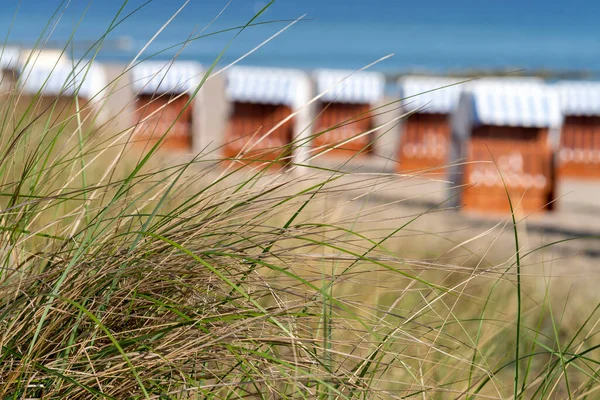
(63, 79)
(9, 58)
(343, 86)
(150, 77)
(579, 98)
(514, 102)
(268, 86)
(431, 94)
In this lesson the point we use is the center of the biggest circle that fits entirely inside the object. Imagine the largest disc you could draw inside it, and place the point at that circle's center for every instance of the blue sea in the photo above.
(431, 35)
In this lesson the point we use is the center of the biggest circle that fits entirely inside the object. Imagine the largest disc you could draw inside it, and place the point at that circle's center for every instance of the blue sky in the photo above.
(443, 33)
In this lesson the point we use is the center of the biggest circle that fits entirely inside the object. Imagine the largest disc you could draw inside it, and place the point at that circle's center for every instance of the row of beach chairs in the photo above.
(520, 134)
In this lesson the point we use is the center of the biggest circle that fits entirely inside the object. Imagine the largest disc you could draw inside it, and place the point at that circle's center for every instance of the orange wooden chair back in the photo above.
(425, 143)
(525, 161)
(248, 123)
(162, 113)
(340, 122)
(579, 154)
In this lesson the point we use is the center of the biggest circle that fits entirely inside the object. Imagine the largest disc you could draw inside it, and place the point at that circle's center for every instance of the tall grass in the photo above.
(124, 277)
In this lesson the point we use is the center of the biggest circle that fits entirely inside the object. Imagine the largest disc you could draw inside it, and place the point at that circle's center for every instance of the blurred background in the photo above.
(435, 36)
(546, 131)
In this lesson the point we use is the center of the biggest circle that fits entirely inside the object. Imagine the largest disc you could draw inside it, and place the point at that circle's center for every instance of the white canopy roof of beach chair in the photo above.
(268, 86)
(515, 103)
(526, 102)
(150, 77)
(345, 86)
(9, 58)
(431, 94)
(579, 98)
(63, 79)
